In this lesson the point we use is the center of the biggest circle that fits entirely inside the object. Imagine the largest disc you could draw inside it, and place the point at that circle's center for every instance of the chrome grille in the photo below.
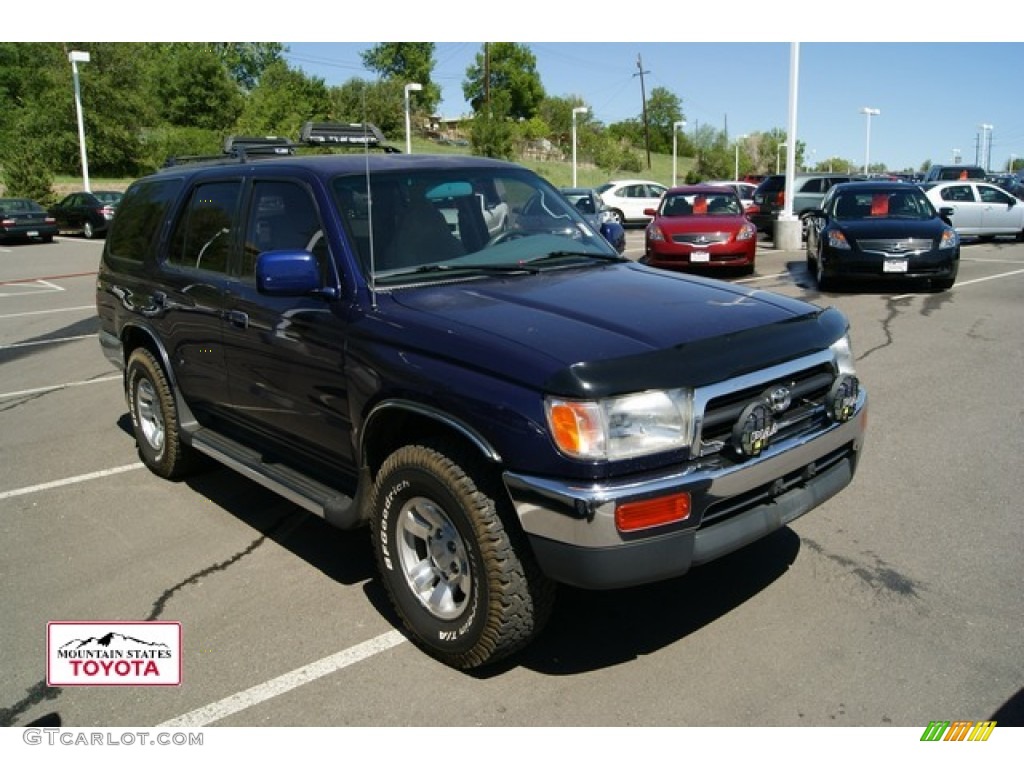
(701, 238)
(896, 246)
(808, 382)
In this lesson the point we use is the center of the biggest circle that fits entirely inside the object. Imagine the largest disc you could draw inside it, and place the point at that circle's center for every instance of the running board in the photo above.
(329, 503)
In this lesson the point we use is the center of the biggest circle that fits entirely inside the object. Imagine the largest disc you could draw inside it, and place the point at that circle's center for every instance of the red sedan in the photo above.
(700, 226)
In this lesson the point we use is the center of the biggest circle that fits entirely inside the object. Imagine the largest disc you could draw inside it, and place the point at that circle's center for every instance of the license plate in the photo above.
(33, 233)
(895, 265)
(700, 256)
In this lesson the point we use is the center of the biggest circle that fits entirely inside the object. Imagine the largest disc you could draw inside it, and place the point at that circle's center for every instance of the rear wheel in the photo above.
(454, 563)
(154, 417)
(88, 230)
(617, 216)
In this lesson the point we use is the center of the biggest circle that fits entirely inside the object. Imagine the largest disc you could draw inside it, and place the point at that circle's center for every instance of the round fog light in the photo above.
(842, 398)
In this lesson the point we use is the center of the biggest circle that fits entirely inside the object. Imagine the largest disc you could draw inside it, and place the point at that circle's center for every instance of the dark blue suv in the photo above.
(443, 349)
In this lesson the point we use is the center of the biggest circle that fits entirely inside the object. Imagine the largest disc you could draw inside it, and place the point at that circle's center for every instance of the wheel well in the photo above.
(391, 428)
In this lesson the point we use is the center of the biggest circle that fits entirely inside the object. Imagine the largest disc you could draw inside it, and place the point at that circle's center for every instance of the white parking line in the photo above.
(55, 387)
(69, 481)
(31, 288)
(969, 282)
(91, 307)
(48, 341)
(218, 710)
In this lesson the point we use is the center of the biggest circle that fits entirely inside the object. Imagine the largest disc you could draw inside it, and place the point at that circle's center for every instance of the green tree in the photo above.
(247, 61)
(664, 109)
(380, 102)
(284, 99)
(195, 89)
(406, 63)
(491, 133)
(509, 68)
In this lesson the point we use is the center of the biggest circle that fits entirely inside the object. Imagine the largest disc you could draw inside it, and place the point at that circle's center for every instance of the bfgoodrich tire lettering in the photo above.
(457, 570)
(155, 417)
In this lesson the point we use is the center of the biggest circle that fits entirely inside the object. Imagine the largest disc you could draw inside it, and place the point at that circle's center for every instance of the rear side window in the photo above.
(203, 233)
(139, 217)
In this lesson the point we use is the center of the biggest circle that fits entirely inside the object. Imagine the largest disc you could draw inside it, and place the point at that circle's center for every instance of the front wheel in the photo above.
(457, 570)
(88, 230)
(617, 217)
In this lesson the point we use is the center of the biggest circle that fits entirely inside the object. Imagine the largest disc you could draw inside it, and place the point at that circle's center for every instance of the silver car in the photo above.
(980, 209)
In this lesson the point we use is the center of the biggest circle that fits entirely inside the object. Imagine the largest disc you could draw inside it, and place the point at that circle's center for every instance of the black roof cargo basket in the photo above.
(259, 145)
(316, 136)
(361, 134)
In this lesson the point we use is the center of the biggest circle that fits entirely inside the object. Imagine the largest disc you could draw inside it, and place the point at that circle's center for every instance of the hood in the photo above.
(595, 331)
(901, 229)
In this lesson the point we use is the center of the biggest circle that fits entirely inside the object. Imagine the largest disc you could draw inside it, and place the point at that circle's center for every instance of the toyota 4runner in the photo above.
(505, 407)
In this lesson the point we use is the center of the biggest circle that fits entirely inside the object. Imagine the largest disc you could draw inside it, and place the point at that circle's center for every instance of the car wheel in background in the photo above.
(88, 230)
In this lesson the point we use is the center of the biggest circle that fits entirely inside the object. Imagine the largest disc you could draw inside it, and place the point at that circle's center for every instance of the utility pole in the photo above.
(643, 98)
(487, 77)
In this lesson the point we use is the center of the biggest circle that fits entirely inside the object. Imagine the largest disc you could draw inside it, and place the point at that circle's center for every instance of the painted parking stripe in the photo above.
(91, 307)
(286, 682)
(959, 284)
(48, 341)
(69, 481)
(55, 387)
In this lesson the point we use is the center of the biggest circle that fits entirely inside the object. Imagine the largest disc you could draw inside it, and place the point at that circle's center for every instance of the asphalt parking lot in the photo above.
(896, 603)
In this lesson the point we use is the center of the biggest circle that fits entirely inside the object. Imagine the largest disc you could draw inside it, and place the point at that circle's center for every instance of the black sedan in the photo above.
(589, 203)
(86, 213)
(24, 219)
(881, 230)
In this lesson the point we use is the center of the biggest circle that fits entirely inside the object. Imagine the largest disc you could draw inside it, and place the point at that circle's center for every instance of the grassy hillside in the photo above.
(558, 173)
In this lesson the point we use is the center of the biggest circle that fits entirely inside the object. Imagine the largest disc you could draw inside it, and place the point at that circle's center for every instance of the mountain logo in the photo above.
(113, 653)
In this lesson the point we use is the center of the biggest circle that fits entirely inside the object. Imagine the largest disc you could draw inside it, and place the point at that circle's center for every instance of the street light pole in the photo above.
(986, 146)
(869, 111)
(75, 57)
(408, 126)
(778, 158)
(676, 127)
(736, 164)
(575, 111)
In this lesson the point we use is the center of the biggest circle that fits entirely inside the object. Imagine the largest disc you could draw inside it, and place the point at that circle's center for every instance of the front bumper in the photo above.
(572, 526)
(868, 265)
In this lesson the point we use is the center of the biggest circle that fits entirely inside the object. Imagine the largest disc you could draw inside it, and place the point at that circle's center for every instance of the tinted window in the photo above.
(202, 235)
(993, 195)
(282, 216)
(139, 216)
(959, 193)
(813, 185)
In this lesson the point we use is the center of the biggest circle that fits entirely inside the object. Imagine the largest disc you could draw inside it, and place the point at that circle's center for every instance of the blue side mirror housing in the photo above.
(288, 273)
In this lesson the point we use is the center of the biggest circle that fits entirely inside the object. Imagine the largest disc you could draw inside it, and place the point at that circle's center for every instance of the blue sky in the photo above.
(932, 96)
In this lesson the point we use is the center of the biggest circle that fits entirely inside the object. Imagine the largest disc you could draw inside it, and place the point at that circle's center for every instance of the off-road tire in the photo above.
(154, 416)
(455, 565)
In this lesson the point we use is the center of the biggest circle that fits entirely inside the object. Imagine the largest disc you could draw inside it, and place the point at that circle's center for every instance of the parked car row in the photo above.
(86, 213)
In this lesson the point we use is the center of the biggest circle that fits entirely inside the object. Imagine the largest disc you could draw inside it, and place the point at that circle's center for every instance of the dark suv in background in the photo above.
(769, 197)
(505, 407)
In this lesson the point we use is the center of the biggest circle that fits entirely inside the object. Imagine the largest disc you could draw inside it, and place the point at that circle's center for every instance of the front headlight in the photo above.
(837, 239)
(843, 353)
(949, 239)
(622, 427)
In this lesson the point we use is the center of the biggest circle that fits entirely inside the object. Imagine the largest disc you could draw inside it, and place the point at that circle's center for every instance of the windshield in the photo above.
(412, 223)
(903, 204)
(724, 203)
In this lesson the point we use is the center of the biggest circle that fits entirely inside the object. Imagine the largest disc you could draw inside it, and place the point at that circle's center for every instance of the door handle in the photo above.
(238, 319)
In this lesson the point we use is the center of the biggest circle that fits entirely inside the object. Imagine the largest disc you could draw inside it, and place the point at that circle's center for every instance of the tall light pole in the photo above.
(408, 127)
(778, 158)
(575, 111)
(956, 156)
(869, 111)
(736, 163)
(676, 128)
(986, 145)
(75, 57)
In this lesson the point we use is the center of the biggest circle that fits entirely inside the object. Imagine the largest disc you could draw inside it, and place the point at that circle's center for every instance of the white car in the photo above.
(627, 199)
(744, 190)
(979, 209)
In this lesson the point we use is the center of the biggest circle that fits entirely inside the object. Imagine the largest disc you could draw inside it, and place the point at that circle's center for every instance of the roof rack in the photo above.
(341, 136)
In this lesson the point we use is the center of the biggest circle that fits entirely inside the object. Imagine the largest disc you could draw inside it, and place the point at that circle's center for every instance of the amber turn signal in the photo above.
(650, 513)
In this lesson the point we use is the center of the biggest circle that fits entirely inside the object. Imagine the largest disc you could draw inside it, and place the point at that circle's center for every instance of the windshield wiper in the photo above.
(550, 256)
